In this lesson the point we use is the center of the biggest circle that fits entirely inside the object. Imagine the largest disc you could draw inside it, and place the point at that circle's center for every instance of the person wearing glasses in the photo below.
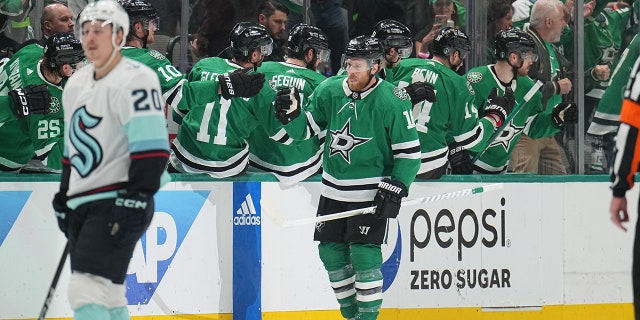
(544, 155)
(33, 140)
(515, 52)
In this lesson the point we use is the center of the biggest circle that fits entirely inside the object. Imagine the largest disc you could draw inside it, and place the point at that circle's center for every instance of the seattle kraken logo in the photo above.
(89, 153)
(343, 142)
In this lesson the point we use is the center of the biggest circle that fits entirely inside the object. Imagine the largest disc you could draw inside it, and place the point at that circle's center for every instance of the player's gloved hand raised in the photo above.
(420, 91)
(459, 159)
(241, 83)
(287, 104)
(130, 215)
(32, 99)
(498, 108)
(62, 212)
(564, 112)
(389, 198)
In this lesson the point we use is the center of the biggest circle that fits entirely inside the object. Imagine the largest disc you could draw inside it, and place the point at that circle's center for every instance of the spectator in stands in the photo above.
(499, 15)
(16, 28)
(544, 155)
(56, 18)
(273, 15)
(426, 17)
(212, 18)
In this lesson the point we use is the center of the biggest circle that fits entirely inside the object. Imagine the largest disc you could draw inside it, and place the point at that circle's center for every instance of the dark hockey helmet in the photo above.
(364, 47)
(448, 40)
(303, 36)
(248, 36)
(513, 40)
(393, 34)
(63, 48)
(141, 11)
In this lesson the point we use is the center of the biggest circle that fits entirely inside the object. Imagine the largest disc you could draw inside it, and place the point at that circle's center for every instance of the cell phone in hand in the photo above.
(441, 19)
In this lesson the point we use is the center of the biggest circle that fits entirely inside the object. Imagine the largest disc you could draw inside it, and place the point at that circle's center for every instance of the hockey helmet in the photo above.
(141, 11)
(303, 36)
(248, 36)
(448, 40)
(514, 40)
(393, 34)
(63, 48)
(108, 11)
(364, 47)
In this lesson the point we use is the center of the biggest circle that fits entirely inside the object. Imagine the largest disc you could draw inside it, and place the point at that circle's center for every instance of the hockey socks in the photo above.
(91, 312)
(337, 262)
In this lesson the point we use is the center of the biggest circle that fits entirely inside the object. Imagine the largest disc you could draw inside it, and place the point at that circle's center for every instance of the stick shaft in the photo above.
(406, 203)
(54, 283)
(510, 117)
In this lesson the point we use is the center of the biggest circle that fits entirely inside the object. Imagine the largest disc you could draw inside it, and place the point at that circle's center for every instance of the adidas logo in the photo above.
(246, 214)
(291, 71)
(29, 71)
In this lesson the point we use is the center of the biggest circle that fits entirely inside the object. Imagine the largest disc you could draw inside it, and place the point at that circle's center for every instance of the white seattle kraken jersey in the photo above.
(108, 120)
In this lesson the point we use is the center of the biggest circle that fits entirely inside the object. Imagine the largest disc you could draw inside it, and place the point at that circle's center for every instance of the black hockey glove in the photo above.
(241, 83)
(459, 160)
(389, 197)
(564, 112)
(32, 99)
(130, 216)
(287, 104)
(498, 108)
(62, 212)
(420, 91)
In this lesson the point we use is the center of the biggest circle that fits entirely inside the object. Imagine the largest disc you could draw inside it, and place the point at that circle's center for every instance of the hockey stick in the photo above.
(54, 283)
(510, 117)
(406, 203)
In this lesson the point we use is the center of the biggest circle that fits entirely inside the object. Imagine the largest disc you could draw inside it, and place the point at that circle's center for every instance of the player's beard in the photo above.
(359, 82)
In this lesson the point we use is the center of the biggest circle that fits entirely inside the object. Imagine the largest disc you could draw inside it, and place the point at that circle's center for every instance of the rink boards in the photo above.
(539, 248)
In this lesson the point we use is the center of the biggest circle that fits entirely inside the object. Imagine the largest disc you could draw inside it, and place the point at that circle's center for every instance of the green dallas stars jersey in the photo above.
(606, 118)
(602, 43)
(35, 135)
(370, 135)
(453, 114)
(212, 137)
(177, 92)
(290, 161)
(529, 120)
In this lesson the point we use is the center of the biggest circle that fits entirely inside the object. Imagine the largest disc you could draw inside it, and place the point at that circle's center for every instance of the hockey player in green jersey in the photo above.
(212, 137)
(606, 118)
(35, 143)
(371, 156)
(515, 53)
(291, 161)
(178, 93)
(396, 42)
(452, 122)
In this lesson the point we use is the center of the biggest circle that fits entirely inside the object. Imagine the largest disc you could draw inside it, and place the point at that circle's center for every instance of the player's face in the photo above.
(62, 20)
(528, 58)
(276, 23)
(96, 41)
(359, 73)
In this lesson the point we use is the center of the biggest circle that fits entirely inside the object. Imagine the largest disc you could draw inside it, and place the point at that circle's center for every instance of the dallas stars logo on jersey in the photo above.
(343, 142)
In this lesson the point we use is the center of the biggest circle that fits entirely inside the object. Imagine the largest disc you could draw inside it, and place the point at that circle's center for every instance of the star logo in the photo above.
(343, 142)
(506, 136)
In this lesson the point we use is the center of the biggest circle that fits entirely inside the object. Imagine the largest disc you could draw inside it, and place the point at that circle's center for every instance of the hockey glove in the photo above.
(130, 216)
(32, 99)
(62, 212)
(241, 83)
(287, 104)
(389, 197)
(420, 91)
(459, 160)
(564, 113)
(498, 108)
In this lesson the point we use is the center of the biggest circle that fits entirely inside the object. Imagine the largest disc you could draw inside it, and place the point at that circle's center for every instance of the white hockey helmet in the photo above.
(108, 11)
